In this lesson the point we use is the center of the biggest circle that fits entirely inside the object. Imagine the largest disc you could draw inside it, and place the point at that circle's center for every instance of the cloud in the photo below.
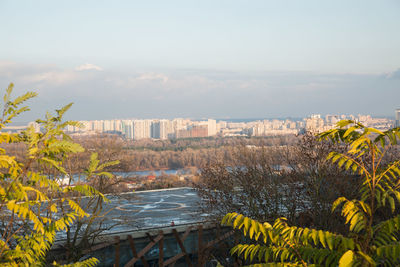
(199, 93)
(88, 66)
(50, 78)
(394, 74)
(153, 77)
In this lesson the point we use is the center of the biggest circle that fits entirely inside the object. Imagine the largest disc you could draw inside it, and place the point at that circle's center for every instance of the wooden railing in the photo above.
(202, 253)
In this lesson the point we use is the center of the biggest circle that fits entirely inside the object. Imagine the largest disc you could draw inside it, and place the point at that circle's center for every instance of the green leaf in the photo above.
(392, 204)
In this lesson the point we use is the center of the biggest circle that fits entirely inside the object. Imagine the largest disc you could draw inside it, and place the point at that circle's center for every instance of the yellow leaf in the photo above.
(347, 259)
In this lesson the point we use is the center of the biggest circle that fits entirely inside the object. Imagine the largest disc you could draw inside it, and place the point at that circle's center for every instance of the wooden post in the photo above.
(187, 232)
(200, 246)
(141, 254)
(237, 261)
(150, 237)
(117, 251)
(181, 245)
(134, 252)
(161, 250)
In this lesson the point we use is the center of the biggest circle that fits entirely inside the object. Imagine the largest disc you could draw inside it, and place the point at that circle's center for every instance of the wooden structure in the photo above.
(201, 254)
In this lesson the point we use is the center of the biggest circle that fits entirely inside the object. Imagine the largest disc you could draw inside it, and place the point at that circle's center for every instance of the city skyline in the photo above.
(176, 128)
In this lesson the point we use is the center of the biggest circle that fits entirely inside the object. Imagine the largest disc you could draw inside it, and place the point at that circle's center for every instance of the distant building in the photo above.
(397, 117)
(151, 178)
(194, 131)
(314, 123)
(127, 126)
(183, 133)
(18, 129)
(185, 128)
(141, 129)
(199, 131)
(332, 119)
(212, 127)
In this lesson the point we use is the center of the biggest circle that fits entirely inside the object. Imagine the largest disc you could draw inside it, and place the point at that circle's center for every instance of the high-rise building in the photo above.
(127, 128)
(212, 127)
(108, 126)
(332, 119)
(117, 125)
(258, 129)
(398, 117)
(141, 129)
(199, 131)
(314, 123)
(155, 129)
(160, 129)
(178, 124)
(98, 126)
(165, 129)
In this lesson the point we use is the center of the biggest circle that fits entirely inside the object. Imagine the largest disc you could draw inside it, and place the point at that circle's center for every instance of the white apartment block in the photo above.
(137, 129)
(141, 129)
(212, 127)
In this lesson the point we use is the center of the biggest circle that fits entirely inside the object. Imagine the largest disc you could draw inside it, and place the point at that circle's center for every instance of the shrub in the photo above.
(371, 241)
(30, 216)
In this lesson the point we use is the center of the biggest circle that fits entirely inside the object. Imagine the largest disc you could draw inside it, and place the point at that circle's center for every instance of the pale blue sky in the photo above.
(183, 44)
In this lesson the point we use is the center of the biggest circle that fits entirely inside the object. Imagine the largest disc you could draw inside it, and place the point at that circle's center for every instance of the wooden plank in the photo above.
(135, 255)
(161, 250)
(149, 246)
(187, 259)
(150, 237)
(99, 246)
(215, 241)
(200, 255)
(144, 251)
(237, 262)
(187, 232)
(174, 259)
(116, 264)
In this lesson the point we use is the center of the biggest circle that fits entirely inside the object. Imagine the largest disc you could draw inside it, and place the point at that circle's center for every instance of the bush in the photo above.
(372, 240)
(33, 204)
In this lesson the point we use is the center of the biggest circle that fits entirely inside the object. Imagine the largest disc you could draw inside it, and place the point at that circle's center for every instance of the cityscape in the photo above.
(207, 133)
(137, 129)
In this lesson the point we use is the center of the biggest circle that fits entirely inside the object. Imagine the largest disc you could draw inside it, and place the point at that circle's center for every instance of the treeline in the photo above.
(151, 154)
(181, 153)
(207, 142)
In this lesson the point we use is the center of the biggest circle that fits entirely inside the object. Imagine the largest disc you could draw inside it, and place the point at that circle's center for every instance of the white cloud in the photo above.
(196, 93)
(394, 74)
(51, 77)
(88, 66)
(153, 77)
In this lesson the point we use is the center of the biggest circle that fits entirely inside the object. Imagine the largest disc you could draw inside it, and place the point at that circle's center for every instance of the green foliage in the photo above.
(370, 242)
(287, 244)
(29, 216)
(85, 230)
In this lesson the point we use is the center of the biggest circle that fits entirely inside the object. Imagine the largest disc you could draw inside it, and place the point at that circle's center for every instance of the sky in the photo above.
(198, 59)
